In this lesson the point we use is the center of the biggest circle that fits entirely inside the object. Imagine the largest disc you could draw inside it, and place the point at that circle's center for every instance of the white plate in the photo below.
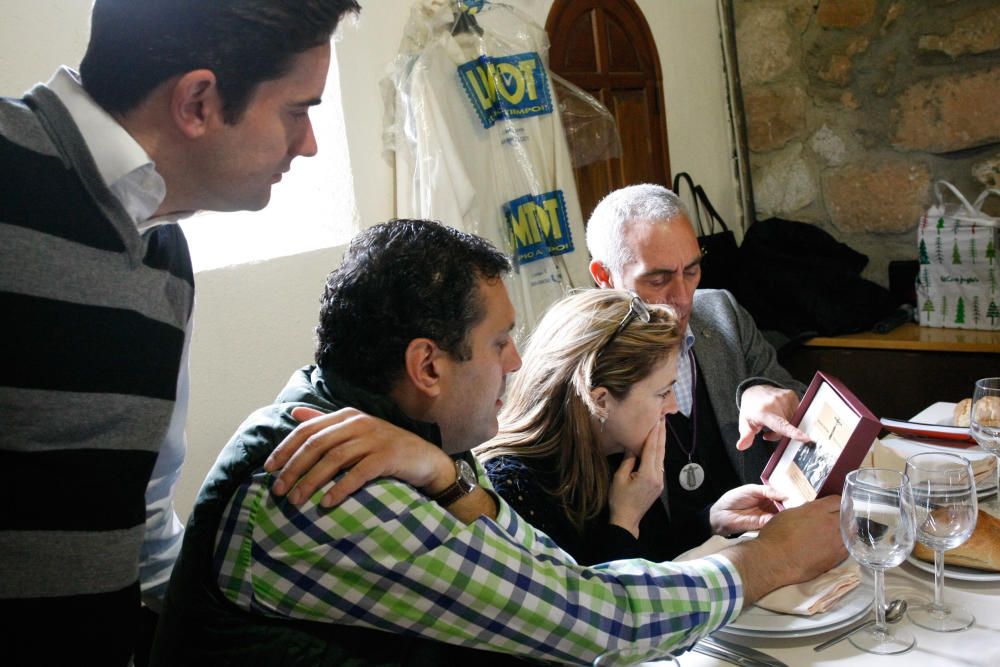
(757, 622)
(955, 571)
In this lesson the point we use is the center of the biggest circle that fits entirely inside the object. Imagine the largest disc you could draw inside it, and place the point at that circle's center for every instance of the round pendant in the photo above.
(691, 477)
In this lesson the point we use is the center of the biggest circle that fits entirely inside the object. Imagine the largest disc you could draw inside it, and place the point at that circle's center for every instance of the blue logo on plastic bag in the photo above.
(538, 226)
(506, 87)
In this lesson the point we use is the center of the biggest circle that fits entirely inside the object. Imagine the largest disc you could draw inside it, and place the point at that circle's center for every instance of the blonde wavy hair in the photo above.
(547, 410)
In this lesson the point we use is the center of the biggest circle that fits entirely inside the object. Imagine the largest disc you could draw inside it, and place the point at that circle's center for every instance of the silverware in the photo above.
(893, 613)
(736, 654)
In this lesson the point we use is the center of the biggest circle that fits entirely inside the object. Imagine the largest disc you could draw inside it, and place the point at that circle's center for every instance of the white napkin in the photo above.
(805, 599)
(893, 451)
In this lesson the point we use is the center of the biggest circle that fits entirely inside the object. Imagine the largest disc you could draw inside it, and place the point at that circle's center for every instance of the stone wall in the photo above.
(855, 107)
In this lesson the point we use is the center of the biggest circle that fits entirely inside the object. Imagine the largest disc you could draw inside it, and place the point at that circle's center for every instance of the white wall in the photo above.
(254, 322)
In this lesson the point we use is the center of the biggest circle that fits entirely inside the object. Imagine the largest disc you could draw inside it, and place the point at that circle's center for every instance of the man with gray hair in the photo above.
(730, 388)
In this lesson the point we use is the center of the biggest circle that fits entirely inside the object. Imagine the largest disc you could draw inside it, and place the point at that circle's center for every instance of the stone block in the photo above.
(774, 115)
(987, 171)
(783, 183)
(949, 113)
(886, 198)
(765, 45)
(828, 145)
(977, 33)
(838, 70)
(845, 13)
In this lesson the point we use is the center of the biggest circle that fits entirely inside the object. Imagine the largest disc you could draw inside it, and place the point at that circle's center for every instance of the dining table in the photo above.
(791, 639)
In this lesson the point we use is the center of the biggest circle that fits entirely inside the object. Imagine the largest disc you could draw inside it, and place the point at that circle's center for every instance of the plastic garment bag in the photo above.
(473, 130)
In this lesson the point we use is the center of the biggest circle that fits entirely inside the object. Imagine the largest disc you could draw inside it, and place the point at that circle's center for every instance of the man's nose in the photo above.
(307, 145)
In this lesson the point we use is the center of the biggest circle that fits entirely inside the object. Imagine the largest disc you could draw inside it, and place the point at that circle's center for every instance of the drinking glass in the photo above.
(877, 525)
(944, 505)
(634, 657)
(984, 421)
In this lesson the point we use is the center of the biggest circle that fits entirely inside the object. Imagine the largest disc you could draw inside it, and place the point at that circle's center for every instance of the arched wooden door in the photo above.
(606, 48)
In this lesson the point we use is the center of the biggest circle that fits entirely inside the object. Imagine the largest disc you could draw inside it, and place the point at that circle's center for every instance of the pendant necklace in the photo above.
(692, 474)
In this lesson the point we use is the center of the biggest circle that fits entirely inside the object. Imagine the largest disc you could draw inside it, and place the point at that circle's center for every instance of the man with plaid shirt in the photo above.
(425, 563)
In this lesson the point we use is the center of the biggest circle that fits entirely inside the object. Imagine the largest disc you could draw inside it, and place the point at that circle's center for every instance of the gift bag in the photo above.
(957, 284)
(719, 252)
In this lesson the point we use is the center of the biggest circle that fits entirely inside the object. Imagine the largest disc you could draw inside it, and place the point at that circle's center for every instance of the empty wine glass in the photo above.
(876, 523)
(635, 657)
(984, 422)
(944, 505)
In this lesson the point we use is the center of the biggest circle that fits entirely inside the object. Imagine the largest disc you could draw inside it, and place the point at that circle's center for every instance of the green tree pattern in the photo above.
(937, 245)
(992, 312)
(991, 251)
(960, 311)
(928, 308)
(972, 244)
(975, 309)
(956, 256)
(924, 259)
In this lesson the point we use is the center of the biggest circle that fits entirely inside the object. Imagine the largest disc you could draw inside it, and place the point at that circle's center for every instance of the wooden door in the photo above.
(606, 48)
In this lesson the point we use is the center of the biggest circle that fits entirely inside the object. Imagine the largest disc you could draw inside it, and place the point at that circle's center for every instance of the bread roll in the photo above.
(988, 411)
(961, 415)
(980, 552)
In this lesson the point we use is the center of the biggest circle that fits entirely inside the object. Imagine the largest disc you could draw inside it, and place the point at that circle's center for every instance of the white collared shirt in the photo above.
(126, 168)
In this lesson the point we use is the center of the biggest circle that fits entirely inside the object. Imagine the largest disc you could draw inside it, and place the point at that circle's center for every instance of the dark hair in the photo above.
(135, 45)
(401, 280)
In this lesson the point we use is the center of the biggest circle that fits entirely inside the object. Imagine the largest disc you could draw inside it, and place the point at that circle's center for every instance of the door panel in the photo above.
(606, 48)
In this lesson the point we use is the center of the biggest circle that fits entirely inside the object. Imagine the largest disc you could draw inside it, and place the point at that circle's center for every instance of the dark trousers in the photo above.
(100, 629)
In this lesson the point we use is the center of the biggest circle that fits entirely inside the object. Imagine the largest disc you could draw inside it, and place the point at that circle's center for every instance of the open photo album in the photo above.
(841, 430)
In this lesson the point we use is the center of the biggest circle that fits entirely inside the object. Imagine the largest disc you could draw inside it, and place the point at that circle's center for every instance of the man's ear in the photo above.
(195, 103)
(422, 359)
(600, 273)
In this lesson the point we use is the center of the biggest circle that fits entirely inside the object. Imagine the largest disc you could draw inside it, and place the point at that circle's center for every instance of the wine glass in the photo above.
(944, 505)
(635, 657)
(984, 421)
(877, 525)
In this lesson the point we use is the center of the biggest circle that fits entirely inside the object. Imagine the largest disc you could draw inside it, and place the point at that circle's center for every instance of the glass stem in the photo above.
(879, 600)
(997, 471)
(938, 580)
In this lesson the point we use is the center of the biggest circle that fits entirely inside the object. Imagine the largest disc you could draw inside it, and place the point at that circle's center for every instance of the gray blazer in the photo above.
(733, 356)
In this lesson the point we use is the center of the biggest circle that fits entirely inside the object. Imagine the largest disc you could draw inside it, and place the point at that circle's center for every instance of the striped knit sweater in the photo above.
(93, 329)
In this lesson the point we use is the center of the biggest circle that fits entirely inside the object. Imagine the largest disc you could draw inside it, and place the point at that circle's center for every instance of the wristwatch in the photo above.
(465, 482)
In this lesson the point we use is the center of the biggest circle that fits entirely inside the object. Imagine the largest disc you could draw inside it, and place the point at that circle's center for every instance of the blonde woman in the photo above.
(597, 382)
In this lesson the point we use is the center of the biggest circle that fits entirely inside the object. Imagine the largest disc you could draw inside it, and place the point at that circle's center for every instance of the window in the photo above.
(312, 207)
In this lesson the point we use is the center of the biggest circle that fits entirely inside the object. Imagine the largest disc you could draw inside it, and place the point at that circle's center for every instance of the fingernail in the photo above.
(295, 497)
(268, 465)
(326, 502)
(278, 488)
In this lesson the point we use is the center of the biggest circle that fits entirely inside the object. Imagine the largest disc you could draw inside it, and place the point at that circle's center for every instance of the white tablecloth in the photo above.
(979, 645)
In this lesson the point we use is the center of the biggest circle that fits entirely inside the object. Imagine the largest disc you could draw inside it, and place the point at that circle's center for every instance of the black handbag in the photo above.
(719, 252)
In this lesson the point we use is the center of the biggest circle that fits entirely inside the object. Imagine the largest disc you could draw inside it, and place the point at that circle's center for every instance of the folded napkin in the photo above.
(805, 599)
(893, 451)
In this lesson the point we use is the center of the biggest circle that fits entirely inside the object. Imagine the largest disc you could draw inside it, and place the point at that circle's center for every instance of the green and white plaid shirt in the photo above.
(388, 558)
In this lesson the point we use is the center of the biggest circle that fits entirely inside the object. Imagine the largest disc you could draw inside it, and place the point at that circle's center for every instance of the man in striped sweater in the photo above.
(179, 105)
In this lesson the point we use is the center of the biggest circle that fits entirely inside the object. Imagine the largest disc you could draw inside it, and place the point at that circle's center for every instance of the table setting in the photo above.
(921, 520)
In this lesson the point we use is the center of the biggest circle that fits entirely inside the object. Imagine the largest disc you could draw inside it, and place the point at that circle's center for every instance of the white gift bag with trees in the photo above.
(957, 285)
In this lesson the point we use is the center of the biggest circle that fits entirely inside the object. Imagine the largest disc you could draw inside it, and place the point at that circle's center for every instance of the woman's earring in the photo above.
(603, 420)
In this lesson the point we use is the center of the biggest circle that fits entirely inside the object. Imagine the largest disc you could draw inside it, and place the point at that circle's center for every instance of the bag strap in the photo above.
(712, 213)
(699, 200)
(976, 216)
(684, 177)
(978, 204)
(973, 211)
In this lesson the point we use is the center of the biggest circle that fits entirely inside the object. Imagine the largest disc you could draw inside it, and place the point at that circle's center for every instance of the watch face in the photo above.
(466, 475)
